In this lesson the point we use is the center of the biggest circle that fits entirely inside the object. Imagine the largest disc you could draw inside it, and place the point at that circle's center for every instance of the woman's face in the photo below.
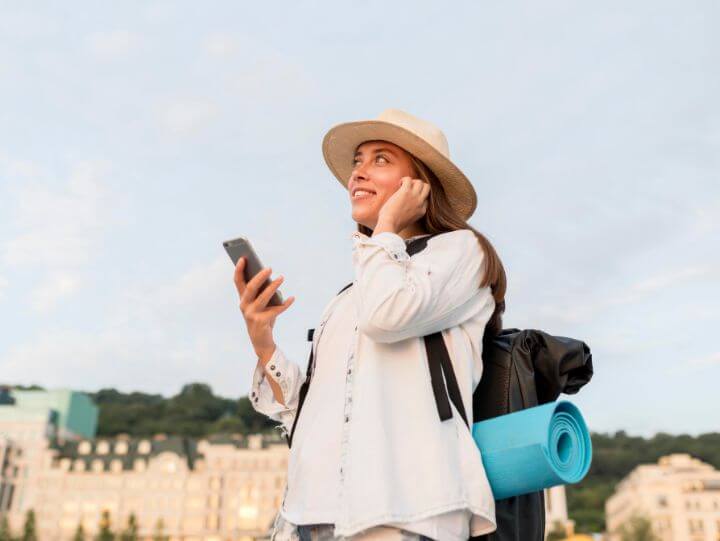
(378, 168)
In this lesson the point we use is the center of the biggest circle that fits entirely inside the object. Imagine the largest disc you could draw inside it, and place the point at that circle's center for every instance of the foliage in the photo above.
(29, 530)
(105, 533)
(79, 533)
(558, 532)
(637, 528)
(194, 412)
(5, 533)
(130, 533)
(159, 534)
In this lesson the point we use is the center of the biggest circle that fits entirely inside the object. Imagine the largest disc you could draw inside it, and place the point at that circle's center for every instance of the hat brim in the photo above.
(341, 141)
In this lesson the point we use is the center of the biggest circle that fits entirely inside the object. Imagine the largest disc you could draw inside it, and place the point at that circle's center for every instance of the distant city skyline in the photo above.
(140, 136)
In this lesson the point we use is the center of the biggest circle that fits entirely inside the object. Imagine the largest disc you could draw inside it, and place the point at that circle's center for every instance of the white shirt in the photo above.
(369, 447)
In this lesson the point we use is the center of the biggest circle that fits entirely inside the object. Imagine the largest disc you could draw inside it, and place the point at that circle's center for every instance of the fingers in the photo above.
(275, 310)
(239, 277)
(264, 297)
(253, 286)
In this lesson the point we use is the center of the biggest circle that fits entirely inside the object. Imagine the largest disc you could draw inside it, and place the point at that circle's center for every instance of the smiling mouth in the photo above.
(362, 194)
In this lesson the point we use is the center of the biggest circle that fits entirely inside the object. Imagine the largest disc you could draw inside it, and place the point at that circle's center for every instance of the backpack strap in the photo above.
(439, 360)
(303, 388)
(439, 363)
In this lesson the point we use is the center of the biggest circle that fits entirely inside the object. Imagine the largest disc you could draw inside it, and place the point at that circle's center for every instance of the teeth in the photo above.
(361, 192)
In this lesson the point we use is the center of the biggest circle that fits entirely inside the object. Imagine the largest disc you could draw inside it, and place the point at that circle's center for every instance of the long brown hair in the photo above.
(441, 218)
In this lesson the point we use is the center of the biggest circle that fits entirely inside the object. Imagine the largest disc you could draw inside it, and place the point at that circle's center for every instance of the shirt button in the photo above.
(347, 418)
(349, 372)
(277, 374)
(272, 367)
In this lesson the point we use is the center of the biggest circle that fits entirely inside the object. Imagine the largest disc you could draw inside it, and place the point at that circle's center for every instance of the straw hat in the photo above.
(419, 137)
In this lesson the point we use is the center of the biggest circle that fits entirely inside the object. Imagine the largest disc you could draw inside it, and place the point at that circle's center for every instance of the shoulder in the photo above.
(461, 242)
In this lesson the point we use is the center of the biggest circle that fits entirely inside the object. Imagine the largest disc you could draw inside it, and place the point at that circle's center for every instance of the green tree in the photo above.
(79, 533)
(159, 534)
(131, 532)
(557, 533)
(5, 533)
(105, 533)
(637, 528)
(29, 530)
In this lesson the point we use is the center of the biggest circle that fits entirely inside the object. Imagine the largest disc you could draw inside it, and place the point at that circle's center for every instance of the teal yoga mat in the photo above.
(534, 448)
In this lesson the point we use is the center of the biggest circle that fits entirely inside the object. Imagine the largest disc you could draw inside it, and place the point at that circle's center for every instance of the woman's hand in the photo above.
(406, 206)
(259, 318)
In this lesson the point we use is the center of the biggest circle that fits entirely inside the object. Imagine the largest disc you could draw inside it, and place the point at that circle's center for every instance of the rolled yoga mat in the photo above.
(535, 448)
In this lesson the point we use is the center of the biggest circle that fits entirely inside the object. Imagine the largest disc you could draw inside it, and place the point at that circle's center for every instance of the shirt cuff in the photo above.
(275, 369)
(391, 242)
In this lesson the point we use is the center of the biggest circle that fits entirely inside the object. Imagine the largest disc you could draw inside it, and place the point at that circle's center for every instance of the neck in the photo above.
(411, 231)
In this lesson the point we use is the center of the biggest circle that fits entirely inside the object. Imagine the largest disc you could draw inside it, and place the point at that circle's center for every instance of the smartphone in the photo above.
(241, 247)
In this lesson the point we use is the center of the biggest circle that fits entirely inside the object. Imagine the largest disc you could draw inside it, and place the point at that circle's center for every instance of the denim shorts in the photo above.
(324, 532)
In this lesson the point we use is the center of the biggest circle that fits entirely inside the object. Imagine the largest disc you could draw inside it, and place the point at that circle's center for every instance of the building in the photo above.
(29, 420)
(680, 496)
(64, 413)
(212, 489)
(8, 452)
(219, 488)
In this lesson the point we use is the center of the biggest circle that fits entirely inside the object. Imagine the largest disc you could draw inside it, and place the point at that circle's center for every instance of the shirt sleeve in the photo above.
(289, 376)
(398, 297)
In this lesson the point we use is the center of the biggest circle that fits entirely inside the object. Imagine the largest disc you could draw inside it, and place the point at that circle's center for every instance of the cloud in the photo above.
(58, 228)
(114, 44)
(156, 337)
(274, 78)
(576, 309)
(711, 359)
(3, 285)
(58, 286)
(55, 227)
(221, 45)
(188, 115)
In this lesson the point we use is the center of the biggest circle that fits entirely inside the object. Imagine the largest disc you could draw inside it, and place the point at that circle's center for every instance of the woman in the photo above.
(369, 456)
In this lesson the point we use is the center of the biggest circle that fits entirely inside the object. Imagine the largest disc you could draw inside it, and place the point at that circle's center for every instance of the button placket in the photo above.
(347, 413)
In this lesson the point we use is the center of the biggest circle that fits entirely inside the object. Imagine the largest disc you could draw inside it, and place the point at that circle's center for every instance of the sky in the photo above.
(135, 137)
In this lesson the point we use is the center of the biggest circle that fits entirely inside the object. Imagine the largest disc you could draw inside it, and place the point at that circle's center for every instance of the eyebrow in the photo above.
(381, 149)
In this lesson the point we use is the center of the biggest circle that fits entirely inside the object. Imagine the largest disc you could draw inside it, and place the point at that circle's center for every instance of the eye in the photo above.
(381, 157)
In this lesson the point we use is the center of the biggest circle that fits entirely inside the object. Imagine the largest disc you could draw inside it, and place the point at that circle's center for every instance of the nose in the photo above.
(358, 172)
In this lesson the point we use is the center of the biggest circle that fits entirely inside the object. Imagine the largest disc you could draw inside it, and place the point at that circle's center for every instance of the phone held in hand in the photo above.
(241, 247)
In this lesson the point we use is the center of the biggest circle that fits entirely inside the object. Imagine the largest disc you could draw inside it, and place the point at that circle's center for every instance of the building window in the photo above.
(84, 447)
(103, 448)
(121, 448)
(695, 525)
(144, 447)
(662, 501)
